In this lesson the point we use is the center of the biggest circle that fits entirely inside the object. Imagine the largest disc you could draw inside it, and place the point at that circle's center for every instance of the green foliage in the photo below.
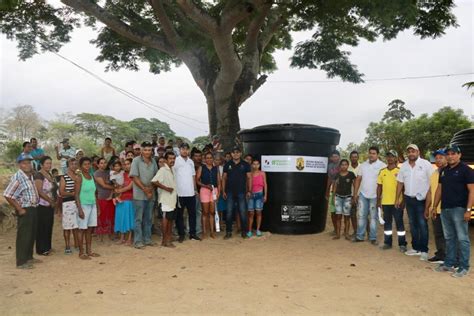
(38, 25)
(429, 132)
(86, 143)
(12, 150)
(397, 112)
(201, 141)
(147, 127)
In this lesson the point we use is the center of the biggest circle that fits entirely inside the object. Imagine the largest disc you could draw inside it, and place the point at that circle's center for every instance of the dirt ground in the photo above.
(271, 275)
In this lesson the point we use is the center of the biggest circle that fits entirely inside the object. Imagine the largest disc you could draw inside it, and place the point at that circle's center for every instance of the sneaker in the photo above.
(249, 235)
(195, 237)
(139, 246)
(412, 252)
(460, 273)
(228, 236)
(385, 247)
(181, 239)
(424, 256)
(403, 249)
(151, 244)
(357, 240)
(435, 259)
(374, 242)
(25, 266)
(67, 251)
(258, 233)
(443, 268)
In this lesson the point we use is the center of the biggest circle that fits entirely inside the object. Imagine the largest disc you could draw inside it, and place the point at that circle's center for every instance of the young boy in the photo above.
(343, 187)
(386, 195)
(167, 197)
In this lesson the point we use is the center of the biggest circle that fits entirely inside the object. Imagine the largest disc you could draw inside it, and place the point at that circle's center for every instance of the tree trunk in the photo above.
(228, 123)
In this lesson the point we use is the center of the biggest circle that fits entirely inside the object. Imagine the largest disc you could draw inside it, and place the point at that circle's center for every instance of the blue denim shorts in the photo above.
(255, 202)
(343, 205)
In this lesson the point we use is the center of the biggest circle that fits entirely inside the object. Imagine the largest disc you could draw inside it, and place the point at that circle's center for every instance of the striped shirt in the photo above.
(69, 187)
(22, 189)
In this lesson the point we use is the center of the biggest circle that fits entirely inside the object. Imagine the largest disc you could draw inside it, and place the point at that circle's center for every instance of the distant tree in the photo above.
(147, 127)
(397, 112)
(469, 86)
(23, 122)
(12, 150)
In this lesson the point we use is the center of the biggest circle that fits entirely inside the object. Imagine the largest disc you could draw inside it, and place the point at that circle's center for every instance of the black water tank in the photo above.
(295, 158)
(465, 140)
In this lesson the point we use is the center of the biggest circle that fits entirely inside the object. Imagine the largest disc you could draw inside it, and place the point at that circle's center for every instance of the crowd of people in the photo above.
(121, 196)
(366, 194)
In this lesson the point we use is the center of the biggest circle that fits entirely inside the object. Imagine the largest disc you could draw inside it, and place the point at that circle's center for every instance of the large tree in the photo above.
(226, 44)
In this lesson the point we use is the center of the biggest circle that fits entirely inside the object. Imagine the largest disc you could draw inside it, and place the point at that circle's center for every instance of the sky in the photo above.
(53, 85)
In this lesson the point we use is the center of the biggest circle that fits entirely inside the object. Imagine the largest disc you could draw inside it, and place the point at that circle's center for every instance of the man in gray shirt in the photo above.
(142, 172)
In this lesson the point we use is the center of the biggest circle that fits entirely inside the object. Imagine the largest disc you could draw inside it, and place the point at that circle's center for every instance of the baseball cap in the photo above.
(392, 152)
(440, 152)
(453, 148)
(236, 149)
(184, 145)
(79, 150)
(413, 146)
(65, 140)
(24, 157)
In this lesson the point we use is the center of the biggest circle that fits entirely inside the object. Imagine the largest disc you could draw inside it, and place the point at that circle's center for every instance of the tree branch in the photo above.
(165, 22)
(203, 19)
(251, 42)
(268, 32)
(118, 26)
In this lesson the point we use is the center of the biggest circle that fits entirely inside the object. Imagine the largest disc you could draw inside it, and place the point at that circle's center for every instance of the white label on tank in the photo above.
(296, 213)
(303, 164)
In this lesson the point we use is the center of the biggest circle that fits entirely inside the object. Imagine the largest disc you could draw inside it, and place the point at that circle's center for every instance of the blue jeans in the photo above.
(143, 221)
(391, 212)
(367, 207)
(242, 209)
(456, 233)
(198, 215)
(418, 223)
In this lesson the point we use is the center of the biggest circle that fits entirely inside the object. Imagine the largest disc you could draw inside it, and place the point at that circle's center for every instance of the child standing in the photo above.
(117, 179)
(258, 197)
(343, 187)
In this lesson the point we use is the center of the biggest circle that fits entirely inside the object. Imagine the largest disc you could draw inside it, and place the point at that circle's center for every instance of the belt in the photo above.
(343, 196)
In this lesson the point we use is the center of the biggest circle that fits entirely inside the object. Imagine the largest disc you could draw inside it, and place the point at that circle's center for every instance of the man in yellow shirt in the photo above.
(440, 161)
(386, 196)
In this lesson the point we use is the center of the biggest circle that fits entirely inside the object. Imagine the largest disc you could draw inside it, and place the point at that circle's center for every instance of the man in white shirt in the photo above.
(366, 185)
(414, 179)
(166, 183)
(186, 188)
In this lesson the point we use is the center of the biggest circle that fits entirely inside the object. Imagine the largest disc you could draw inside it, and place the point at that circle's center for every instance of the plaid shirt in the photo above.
(22, 189)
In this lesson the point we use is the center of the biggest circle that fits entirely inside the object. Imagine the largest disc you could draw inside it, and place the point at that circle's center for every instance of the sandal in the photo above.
(83, 256)
(93, 254)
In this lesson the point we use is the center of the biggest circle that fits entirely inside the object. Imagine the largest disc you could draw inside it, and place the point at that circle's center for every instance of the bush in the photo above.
(12, 150)
(86, 143)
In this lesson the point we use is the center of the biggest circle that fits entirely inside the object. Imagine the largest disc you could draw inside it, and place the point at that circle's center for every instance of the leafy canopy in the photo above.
(335, 25)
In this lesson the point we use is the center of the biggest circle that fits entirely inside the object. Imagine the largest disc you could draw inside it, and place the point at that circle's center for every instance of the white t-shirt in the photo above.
(117, 177)
(369, 173)
(416, 179)
(184, 172)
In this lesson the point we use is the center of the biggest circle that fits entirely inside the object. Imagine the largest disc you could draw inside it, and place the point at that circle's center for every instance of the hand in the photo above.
(21, 212)
(81, 214)
(209, 187)
(379, 204)
(170, 190)
(427, 213)
(434, 213)
(356, 199)
(397, 205)
(147, 190)
(467, 216)
(56, 146)
(224, 196)
(248, 195)
(265, 199)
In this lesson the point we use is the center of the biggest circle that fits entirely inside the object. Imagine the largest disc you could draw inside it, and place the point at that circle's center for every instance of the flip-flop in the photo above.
(93, 254)
(84, 257)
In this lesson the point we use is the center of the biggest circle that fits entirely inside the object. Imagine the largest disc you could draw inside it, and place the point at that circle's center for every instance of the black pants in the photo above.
(391, 212)
(44, 231)
(25, 235)
(189, 203)
(439, 238)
